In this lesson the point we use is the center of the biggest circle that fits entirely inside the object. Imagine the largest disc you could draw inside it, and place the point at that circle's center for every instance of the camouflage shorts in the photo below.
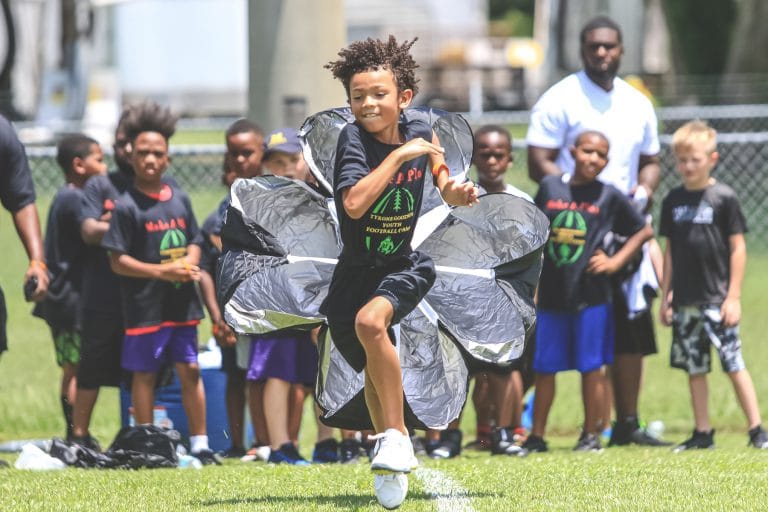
(67, 344)
(694, 329)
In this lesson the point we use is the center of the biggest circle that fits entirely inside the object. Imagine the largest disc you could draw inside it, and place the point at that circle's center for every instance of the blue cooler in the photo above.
(169, 410)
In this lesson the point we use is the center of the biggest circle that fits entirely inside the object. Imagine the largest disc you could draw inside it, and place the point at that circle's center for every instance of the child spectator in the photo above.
(80, 157)
(501, 403)
(102, 320)
(286, 362)
(704, 264)
(244, 140)
(379, 279)
(574, 315)
(154, 246)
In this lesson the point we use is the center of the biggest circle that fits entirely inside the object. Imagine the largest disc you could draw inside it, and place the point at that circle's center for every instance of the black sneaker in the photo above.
(287, 453)
(349, 451)
(504, 442)
(758, 438)
(234, 452)
(588, 443)
(630, 432)
(449, 445)
(86, 441)
(535, 444)
(207, 457)
(699, 440)
(419, 445)
(326, 451)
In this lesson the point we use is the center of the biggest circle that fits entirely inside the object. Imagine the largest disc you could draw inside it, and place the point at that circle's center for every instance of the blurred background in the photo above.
(70, 65)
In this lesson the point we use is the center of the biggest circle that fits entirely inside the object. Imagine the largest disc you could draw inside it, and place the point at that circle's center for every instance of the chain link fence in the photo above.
(742, 144)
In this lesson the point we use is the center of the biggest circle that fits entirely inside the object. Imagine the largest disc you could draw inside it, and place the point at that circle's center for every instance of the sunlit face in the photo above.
(93, 163)
(590, 156)
(288, 165)
(376, 103)
(149, 157)
(601, 53)
(695, 163)
(492, 158)
(244, 152)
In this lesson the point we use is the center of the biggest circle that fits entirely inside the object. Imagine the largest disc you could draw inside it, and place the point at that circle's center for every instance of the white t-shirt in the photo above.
(576, 104)
(508, 189)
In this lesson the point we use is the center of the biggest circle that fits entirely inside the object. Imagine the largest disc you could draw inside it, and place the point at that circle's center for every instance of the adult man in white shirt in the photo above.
(596, 99)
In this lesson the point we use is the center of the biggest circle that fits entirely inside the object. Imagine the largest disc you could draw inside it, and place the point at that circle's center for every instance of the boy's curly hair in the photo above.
(149, 117)
(373, 54)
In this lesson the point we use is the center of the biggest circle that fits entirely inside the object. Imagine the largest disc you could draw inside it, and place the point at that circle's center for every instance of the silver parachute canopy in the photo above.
(281, 240)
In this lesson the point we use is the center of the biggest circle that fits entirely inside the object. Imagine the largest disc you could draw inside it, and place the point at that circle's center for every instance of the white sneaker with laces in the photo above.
(390, 489)
(393, 453)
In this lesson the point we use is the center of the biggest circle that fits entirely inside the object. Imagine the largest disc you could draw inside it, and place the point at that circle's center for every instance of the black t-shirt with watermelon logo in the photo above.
(154, 230)
(580, 217)
(385, 231)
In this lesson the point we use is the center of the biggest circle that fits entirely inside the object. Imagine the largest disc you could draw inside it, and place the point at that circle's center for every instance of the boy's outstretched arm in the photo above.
(179, 271)
(455, 194)
(601, 263)
(665, 310)
(731, 308)
(358, 198)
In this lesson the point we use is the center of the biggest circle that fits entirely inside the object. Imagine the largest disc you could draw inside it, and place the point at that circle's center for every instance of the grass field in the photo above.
(729, 478)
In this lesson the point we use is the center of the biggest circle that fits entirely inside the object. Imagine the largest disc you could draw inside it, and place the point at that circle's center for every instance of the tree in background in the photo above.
(511, 18)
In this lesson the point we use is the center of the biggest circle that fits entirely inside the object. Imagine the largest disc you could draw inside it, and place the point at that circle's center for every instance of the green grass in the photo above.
(731, 477)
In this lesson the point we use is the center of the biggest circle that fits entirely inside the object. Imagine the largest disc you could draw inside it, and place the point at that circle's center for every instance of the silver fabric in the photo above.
(283, 238)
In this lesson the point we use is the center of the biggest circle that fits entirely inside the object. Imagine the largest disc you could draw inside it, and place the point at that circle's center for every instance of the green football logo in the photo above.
(567, 237)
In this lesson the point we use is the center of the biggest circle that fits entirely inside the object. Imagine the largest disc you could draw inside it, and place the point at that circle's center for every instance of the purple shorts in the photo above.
(290, 356)
(148, 352)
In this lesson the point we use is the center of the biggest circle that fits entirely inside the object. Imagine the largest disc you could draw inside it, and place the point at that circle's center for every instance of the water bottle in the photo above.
(189, 462)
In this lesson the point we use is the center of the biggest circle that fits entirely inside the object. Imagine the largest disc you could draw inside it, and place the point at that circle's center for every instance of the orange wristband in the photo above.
(38, 263)
(437, 169)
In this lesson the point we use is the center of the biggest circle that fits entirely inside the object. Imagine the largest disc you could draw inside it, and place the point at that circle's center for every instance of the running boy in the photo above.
(704, 264)
(381, 163)
(80, 157)
(574, 315)
(154, 247)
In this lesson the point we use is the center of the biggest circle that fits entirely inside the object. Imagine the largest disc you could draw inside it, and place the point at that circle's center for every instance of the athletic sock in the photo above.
(198, 443)
(67, 408)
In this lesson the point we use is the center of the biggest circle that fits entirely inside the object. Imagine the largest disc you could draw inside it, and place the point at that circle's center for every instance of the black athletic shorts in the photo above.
(403, 282)
(635, 336)
(100, 350)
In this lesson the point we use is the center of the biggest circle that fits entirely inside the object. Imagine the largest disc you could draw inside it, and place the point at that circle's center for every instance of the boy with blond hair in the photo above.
(704, 265)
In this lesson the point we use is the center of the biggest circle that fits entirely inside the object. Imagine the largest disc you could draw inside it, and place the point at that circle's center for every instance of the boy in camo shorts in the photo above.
(703, 268)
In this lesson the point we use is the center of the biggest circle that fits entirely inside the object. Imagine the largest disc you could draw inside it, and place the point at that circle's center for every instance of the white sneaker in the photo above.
(391, 489)
(393, 453)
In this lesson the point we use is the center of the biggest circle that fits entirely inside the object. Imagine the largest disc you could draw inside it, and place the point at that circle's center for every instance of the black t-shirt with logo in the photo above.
(65, 255)
(699, 224)
(154, 230)
(580, 216)
(385, 231)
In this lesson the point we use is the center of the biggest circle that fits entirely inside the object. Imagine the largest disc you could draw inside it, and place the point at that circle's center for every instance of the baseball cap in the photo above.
(285, 140)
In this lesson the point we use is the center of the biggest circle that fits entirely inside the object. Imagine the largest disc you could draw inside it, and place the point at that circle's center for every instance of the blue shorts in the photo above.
(581, 340)
(148, 352)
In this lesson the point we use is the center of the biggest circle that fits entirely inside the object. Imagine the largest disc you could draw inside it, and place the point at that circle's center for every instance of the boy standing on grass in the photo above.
(80, 157)
(704, 265)
(244, 140)
(381, 163)
(574, 314)
(154, 247)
